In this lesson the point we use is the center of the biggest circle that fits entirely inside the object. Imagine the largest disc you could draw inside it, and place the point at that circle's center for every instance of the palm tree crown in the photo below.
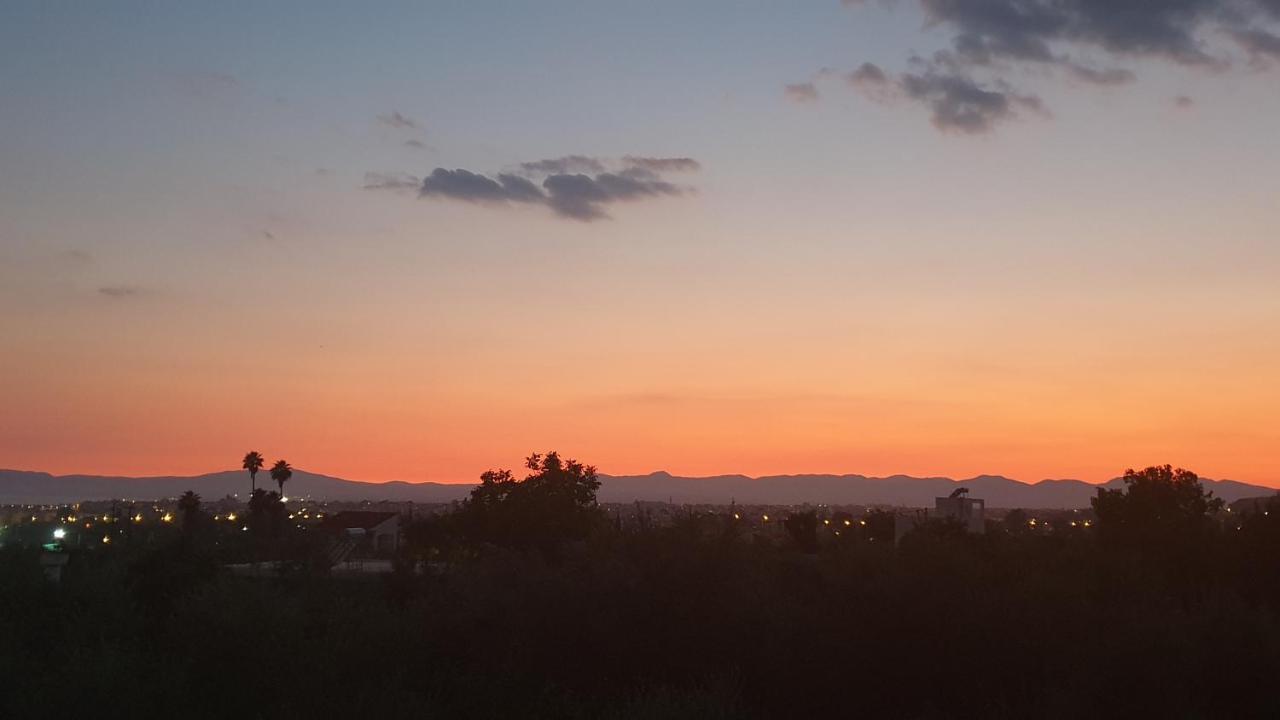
(189, 506)
(281, 472)
(253, 462)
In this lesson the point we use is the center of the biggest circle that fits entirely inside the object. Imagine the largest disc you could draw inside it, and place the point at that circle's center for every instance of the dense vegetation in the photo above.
(538, 605)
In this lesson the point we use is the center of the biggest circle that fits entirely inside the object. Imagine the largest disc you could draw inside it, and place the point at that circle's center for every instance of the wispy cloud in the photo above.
(560, 165)
(801, 92)
(662, 165)
(576, 187)
(396, 120)
(119, 292)
(391, 181)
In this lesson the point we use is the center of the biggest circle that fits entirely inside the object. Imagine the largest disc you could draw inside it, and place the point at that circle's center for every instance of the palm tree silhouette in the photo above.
(189, 506)
(253, 462)
(281, 472)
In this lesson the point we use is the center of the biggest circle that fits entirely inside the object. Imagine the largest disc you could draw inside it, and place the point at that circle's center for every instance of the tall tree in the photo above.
(189, 507)
(253, 462)
(281, 472)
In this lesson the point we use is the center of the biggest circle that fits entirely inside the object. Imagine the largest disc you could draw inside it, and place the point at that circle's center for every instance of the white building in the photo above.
(971, 513)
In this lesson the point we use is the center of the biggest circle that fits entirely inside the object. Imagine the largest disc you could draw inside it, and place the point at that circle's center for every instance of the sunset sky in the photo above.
(416, 241)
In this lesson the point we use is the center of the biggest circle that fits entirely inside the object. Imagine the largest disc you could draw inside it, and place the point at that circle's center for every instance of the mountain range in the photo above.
(17, 486)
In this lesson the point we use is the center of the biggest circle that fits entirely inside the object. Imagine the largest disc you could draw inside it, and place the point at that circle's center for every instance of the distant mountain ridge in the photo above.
(18, 486)
(903, 490)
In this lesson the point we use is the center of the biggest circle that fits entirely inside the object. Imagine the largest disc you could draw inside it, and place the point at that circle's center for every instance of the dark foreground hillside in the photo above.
(698, 618)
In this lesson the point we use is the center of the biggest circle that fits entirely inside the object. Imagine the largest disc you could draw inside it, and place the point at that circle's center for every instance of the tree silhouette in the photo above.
(555, 503)
(1015, 521)
(253, 462)
(281, 472)
(189, 507)
(803, 529)
(1160, 508)
(266, 513)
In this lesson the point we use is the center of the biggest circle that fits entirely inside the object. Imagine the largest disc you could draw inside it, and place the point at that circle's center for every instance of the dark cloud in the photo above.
(575, 195)
(471, 187)
(582, 197)
(561, 165)
(868, 75)
(1027, 30)
(415, 144)
(961, 105)
(871, 80)
(957, 102)
(390, 181)
(396, 120)
(801, 92)
(1184, 102)
(1259, 43)
(965, 85)
(119, 291)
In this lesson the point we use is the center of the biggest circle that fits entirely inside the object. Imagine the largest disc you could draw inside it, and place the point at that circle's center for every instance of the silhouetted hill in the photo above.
(861, 490)
(34, 487)
(17, 486)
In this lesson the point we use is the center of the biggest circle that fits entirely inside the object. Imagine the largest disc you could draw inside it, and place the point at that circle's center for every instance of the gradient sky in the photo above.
(1056, 266)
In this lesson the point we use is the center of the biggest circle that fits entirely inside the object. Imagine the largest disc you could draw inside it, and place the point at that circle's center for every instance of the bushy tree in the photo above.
(1159, 509)
(554, 503)
(266, 513)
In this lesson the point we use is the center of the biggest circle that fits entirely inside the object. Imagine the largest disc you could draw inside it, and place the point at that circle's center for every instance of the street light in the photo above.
(59, 534)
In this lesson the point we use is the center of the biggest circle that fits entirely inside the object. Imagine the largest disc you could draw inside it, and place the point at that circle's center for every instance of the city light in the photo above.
(59, 534)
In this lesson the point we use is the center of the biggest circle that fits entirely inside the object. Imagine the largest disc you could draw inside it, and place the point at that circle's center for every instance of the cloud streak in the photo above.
(396, 120)
(119, 292)
(575, 187)
(390, 181)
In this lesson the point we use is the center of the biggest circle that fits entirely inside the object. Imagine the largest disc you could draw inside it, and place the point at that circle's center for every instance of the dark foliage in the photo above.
(554, 504)
(695, 617)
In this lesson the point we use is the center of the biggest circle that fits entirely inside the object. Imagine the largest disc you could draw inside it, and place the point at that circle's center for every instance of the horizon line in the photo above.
(642, 475)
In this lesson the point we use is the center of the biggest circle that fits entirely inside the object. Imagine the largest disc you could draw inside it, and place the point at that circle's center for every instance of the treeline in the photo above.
(534, 603)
